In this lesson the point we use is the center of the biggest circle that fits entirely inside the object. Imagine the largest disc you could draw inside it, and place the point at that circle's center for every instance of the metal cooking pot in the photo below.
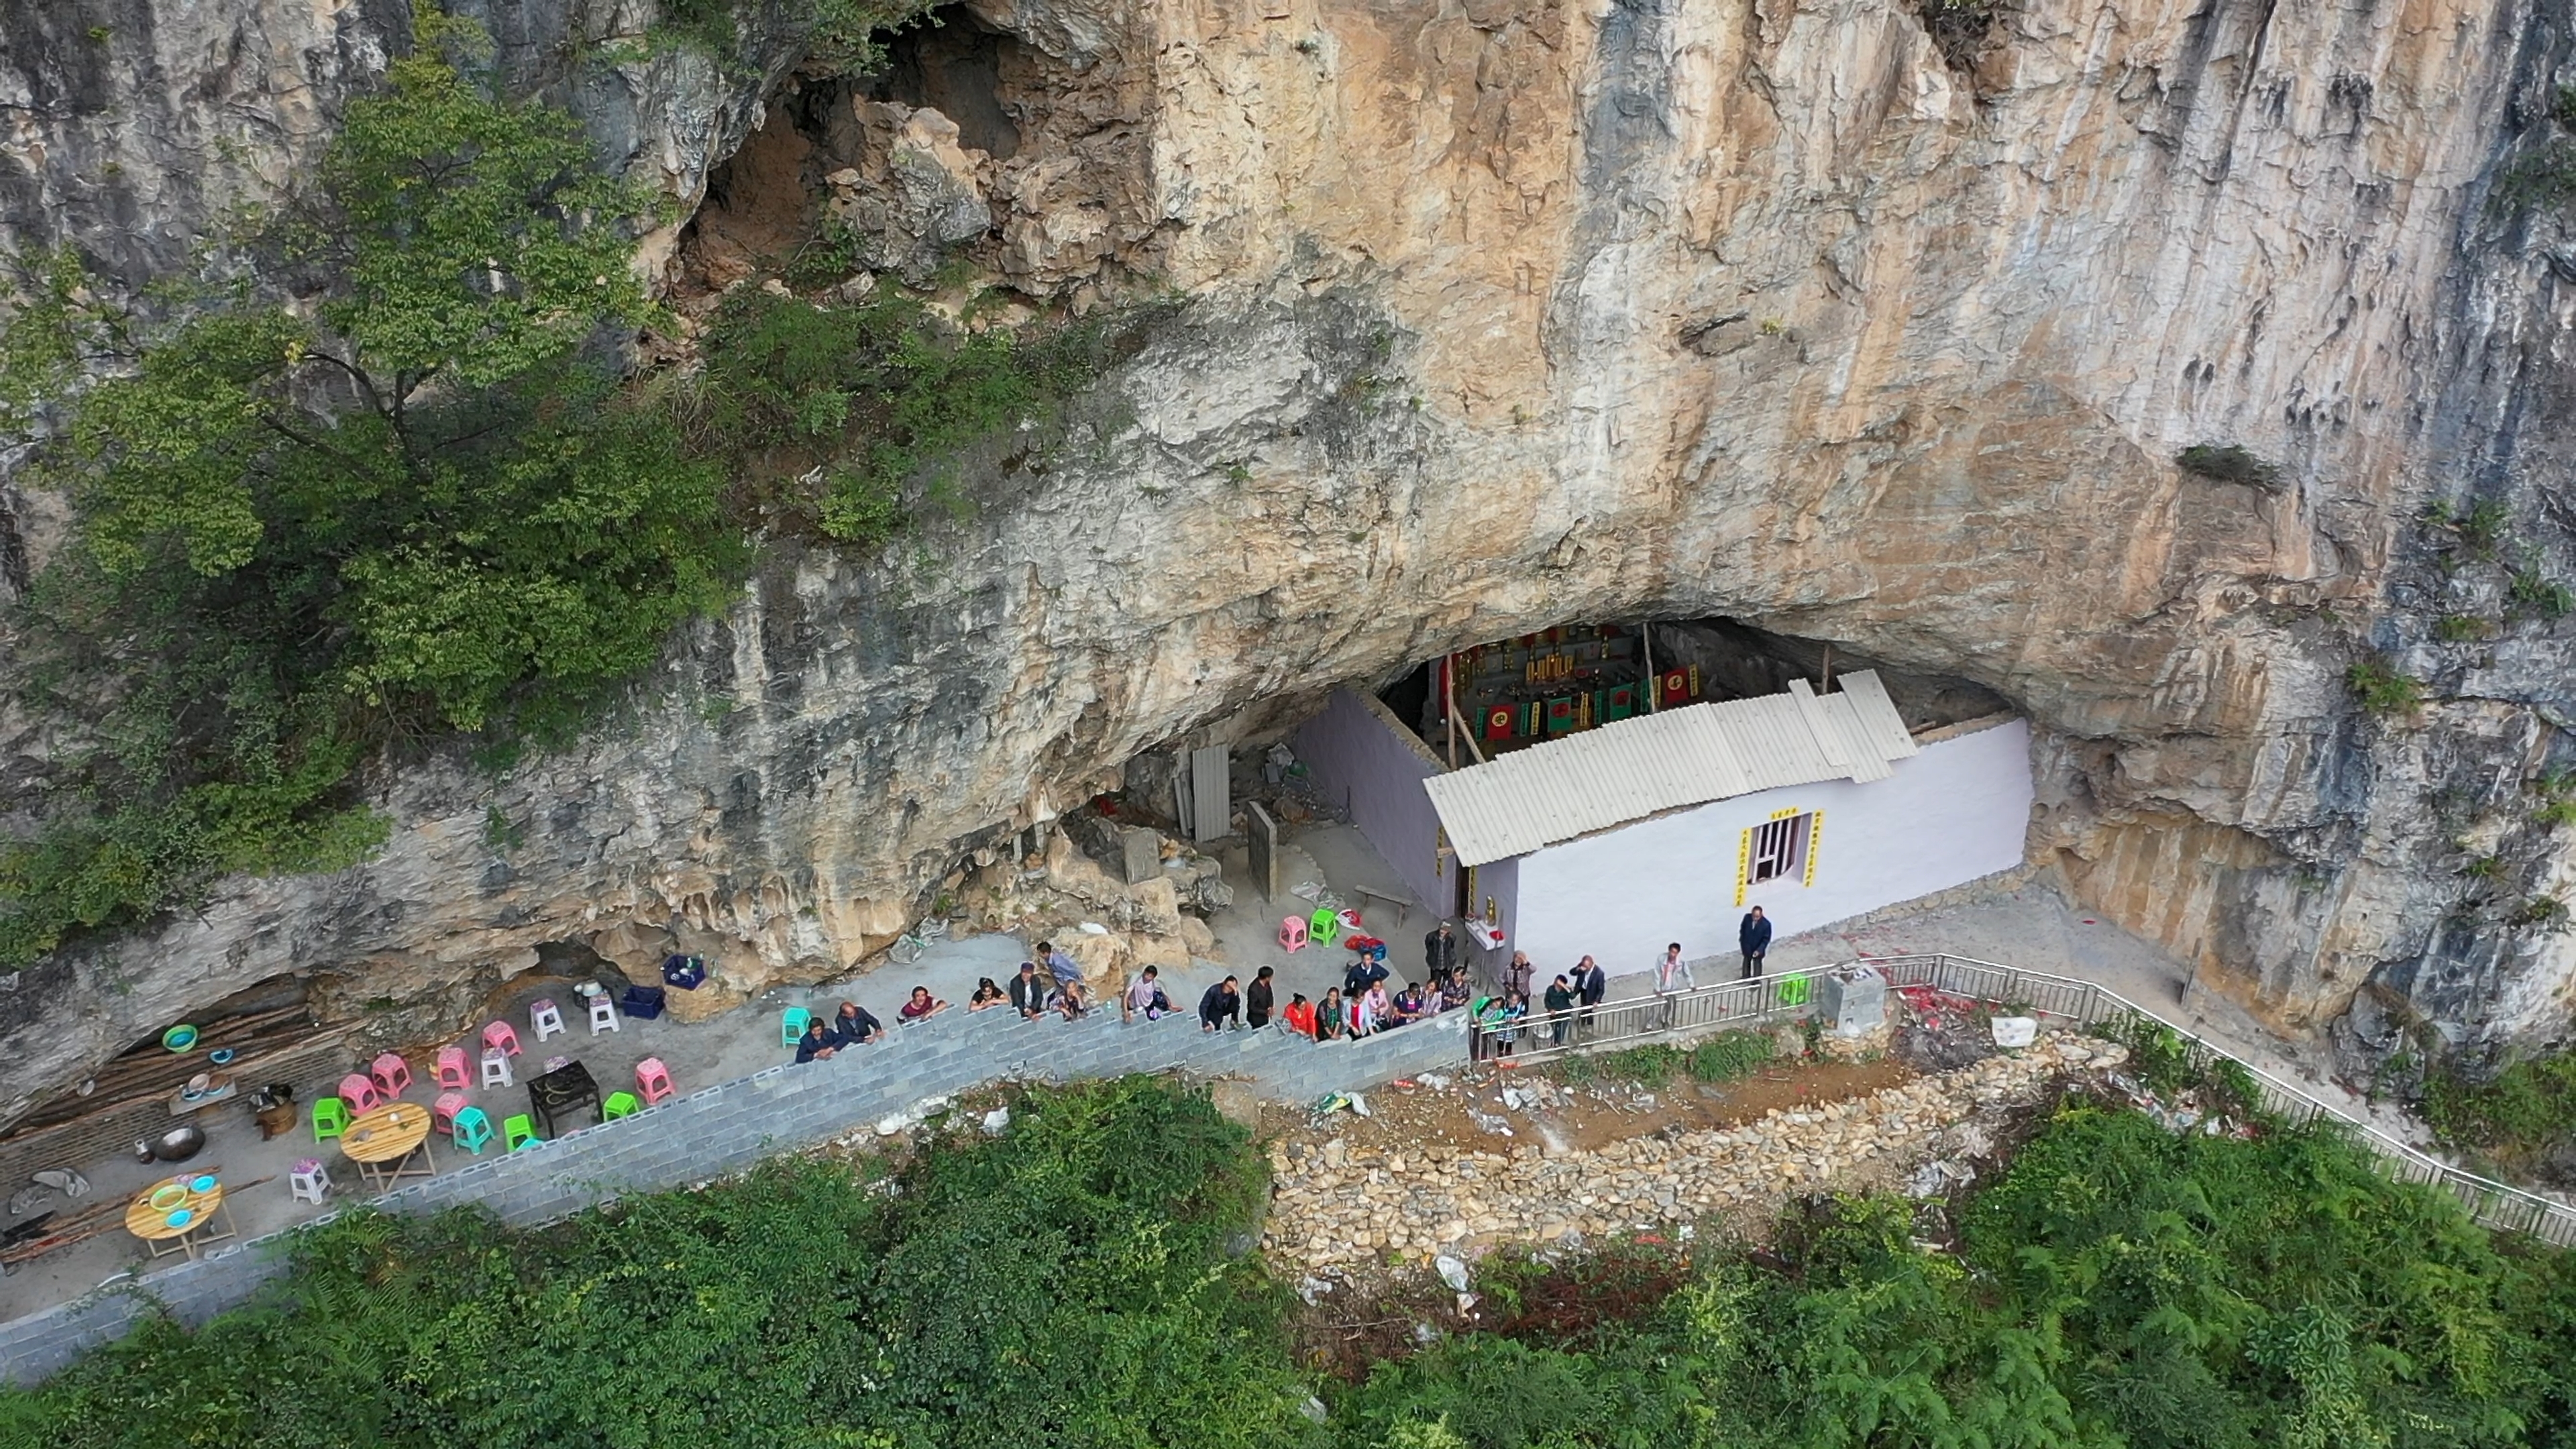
(179, 1144)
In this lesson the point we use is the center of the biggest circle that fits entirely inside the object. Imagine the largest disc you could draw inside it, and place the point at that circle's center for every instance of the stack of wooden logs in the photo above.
(130, 1099)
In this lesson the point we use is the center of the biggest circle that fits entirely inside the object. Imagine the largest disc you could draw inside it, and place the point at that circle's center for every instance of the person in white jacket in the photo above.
(1672, 977)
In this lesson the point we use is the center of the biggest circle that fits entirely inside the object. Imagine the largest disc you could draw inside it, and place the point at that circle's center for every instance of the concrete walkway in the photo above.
(728, 1127)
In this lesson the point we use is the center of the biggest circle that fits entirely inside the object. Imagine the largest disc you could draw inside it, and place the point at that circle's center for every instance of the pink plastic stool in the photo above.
(451, 1070)
(391, 1073)
(1292, 934)
(499, 1035)
(442, 1113)
(360, 1093)
(653, 1080)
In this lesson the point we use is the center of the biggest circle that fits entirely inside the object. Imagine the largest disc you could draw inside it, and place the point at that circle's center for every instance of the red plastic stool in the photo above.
(653, 1080)
(360, 1093)
(391, 1073)
(451, 1071)
(1292, 934)
(499, 1035)
(442, 1113)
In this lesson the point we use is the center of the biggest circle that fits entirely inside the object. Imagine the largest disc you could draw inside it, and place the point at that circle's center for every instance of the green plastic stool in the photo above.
(330, 1117)
(619, 1104)
(1793, 991)
(791, 1025)
(518, 1132)
(1323, 928)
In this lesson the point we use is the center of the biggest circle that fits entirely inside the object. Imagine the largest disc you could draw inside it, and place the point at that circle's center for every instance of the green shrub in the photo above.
(2382, 687)
(2516, 1115)
(2118, 1285)
(2462, 628)
(2229, 463)
(264, 595)
(882, 395)
(1732, 1054)
(2532, 593)
(1067, 1284)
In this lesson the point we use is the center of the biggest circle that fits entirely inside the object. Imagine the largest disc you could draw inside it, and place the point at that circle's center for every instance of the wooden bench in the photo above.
(1403, 904)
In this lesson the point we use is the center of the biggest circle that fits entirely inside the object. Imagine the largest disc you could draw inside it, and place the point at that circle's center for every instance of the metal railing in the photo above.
(1787, 994)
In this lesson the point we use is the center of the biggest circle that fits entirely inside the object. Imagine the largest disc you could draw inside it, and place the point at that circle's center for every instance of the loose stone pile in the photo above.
(1334, 1207)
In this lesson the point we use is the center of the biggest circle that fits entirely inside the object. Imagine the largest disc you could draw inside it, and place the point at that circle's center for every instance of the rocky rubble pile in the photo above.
(1333, 1207)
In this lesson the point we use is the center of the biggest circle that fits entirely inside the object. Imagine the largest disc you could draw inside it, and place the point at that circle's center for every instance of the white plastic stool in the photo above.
(603, 1015)
(545, 1018)
(496, 1068)
(310, 1181)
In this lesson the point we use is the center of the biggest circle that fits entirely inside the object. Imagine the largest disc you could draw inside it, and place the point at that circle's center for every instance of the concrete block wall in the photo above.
(728, 1127)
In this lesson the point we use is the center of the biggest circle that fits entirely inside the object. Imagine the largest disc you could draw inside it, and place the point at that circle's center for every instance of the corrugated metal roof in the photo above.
(1627, 771)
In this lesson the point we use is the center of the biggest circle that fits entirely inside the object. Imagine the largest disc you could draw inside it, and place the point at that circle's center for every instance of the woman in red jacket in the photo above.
(1299, 1016)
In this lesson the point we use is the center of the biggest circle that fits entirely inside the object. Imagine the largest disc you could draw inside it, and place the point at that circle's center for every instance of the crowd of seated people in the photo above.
(1364, 1004)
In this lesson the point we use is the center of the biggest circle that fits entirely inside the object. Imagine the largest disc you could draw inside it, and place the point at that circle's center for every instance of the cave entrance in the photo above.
(1603, 790)
(1514, 693)
(956, 65)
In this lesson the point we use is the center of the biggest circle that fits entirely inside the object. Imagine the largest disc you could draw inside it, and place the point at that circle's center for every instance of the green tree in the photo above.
(408, 498)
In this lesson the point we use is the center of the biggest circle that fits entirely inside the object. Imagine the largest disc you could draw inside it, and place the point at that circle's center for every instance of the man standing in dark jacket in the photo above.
(1591, 984)
(1754, 936)
(1560, 999)
(1218, 1007)
(1256, 1000)
(1440, 952)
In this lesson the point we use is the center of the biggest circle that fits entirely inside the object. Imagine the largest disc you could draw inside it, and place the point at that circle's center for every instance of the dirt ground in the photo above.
(1471, 1110)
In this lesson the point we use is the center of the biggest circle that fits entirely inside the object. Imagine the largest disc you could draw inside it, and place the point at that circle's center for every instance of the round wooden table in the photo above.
(382, 1142)
(152, 1224)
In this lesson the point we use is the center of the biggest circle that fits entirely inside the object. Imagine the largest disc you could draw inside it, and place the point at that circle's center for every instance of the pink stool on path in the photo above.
(1292, 934)
(360, 1093)
(451, 1071)
(442, 1113)
(545, 1018)
(391, 1073)
(499, 1036)
(653, 1080)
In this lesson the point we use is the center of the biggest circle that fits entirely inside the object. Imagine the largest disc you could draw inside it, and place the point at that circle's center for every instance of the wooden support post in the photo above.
(1449, 702)
(1825, 677)
(1457, 728)
(1654, 681)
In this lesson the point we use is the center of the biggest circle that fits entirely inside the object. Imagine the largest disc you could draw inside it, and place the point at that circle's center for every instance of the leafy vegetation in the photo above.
(2479, 532)
(425, 500)
(878, 395)
(1724, 1057)
(2557, 791)
(1066, 1284)
(841, 35)
(2118, 1286)
(2382, 687)
(417, 503)
(2516, 1116)
(2532, 592)
(2229, 463)
(1070, 1284)
(2463, 628)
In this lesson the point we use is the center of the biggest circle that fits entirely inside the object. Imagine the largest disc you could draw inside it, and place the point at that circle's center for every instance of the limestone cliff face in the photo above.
(1509, 312)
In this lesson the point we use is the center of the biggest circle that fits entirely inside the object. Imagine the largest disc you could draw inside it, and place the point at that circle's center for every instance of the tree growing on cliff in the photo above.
(391, 491)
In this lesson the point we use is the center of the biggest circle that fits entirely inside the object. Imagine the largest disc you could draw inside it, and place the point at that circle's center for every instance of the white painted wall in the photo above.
(1957, 811)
